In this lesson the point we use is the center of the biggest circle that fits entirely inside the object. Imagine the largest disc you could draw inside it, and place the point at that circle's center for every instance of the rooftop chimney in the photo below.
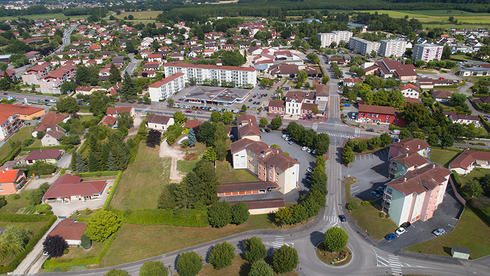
(418, 146)
(404, 179)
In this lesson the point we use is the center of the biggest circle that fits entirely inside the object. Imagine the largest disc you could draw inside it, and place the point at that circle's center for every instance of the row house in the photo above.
(34, 74)
(297, 103)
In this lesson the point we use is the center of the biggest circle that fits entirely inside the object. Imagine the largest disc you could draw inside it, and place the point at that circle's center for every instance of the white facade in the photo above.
(49, 140)
(326, 39)
(240, 76)
(163, 89)
(289, 177)
(410, 93)
(240, 160)
(161, 127)
(362, 46)
(293, 107)
(392, 47)
(427, 52)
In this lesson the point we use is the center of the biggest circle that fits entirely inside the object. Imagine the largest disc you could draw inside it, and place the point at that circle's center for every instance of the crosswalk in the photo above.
(396, 267)
(279, 241)
(393, 262)
(333, 220)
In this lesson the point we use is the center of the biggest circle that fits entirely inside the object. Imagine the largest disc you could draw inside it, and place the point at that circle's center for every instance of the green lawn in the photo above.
(15, 204)
(470, 232)
(475, 173)
(135, 242)
(186, 166)
(142, 182)
(442, 157)
(20, 136)
(226, 174)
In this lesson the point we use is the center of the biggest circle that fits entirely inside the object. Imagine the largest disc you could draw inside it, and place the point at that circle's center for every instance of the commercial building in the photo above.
(427, 52)
(392, 47)
(166, 87)
(375, 114)
(267, 163)
(214, 95)
(326, 39)
(362, 46)
(202, 73)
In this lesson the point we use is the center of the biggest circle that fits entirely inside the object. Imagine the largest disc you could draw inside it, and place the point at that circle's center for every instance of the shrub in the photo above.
(153, 268)
(219, 214)
(285, 259)
(239, 213)
(116, 272)
(86, 242)
(102, 224)
(222, 255)
(254, 249)
(3, 201)
(261, 268)
(335, 239)
(352, 205)
(189, 264)
(366, 203)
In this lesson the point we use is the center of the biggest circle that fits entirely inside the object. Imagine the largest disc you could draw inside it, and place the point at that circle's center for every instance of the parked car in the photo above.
(390, 236)
(304, 148)
(290, 142)
(439, 232)
(309, 169)
(342, 218)
(400, 231)
(406, 225)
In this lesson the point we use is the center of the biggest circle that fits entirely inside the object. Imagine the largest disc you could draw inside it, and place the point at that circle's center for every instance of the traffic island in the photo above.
(340, 258)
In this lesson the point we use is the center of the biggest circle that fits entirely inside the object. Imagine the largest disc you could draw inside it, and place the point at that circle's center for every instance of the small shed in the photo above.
(460, 252)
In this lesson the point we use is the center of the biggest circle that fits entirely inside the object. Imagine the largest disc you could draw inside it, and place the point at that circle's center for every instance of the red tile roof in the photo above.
(43, 154)
(365, 108)
(467, 157)
(410, 160)
(116, 110)
(51, 120)
(70, 185)
(7, 110)
(276, 103)
(409, 85)
(247, 125)
(420, 180)
(205, 66)
(166, 80)
(109, 121)
(192, 123)
(409, 145)
(7, 176)
(69, 229)
(158, 119)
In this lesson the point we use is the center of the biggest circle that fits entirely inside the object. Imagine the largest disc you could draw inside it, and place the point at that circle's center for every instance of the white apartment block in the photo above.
(166, 87)
(240, 76)
(326, 39)
(362, 46)
(293, 107)
(392, 48)
(427, 52)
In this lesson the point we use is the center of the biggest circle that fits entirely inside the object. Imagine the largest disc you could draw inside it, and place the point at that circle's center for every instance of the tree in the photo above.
(209, 154)
(244, 108)
(222, 255)
(116, 272)
(239, 213)
(179, 118)
(128, 88)
(432, 139)
(446, 140)
(263, 122)
(473, 188)
(457, 99)
(191, 136)
(276, 123)
(385, 139)
(325, 79)
(98, 103)
(302, 76)
(233, 58)
(153, 138)
(347, 155)
(219, 214)
(335, 239)
(254, 250)
(215, 116)
(189, 264)
(86, 242)
(227, 117)
(13, 241)
(102, 224)
(446, 52)
(261, 268)
(114, 74)
(54, 246)
(285, 259)
(67, 104)
(170, 102)
(404, 134)
(3, 201)
(153, 268)
(124, 120)
(68, 87)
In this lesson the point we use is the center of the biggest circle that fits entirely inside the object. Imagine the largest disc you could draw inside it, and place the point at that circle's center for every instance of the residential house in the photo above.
(11, 181)
(395, 69)
(53, 137)
(51, 121)
(268, 164)
(159, 122)
(407, 155)
(441, 96)
(376, 114)
(44, 155)
(70, 187)
(115, 111)
(463, 119)
(466, 161)
(248, 127)
(276, 107)
(109, 121)
(351, 82)
(70, 230)
(409, 146)
(284, 70)
(33, 75)
(410, 91)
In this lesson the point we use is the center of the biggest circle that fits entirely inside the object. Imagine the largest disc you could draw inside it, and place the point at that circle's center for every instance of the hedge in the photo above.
(30, 245)
(63, 147)
(96, 174)
(107, 202)
(486, 125)
(24, 218)
(11, 155)
(181, 217)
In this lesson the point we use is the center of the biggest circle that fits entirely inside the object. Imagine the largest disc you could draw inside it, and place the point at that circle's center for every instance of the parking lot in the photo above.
(304, 158)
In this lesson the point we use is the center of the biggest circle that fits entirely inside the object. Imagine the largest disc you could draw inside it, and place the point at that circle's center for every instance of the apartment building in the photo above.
(392, 47)
(12, 115)
(376, 114)
(267, 163)
(240, 76)
(406, 155)
(427, 52)
(51, 83)
(326, 39)
(166, 87)
(362, 46)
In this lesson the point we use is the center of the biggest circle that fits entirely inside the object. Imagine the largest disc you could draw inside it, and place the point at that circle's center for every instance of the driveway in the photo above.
(64, 161)
(66, 209)
(36, 183)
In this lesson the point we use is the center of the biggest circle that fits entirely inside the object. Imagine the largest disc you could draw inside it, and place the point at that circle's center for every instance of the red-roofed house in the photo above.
(70, 187)
(44, 155)
(108, 121)
(466, 161)
(248, 127)
(276, 107)
(375, 114)
(410, 91)
(51, 121)
(11, 181)
(166, 87)
(114, 111)
(70, 230)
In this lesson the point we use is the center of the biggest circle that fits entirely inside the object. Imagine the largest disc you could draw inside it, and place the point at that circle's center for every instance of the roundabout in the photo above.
(340, 258)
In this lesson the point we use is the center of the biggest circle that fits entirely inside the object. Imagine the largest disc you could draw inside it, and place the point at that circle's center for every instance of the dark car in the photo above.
(406, 225)
(267, 130)
(390, 236)
(342, 218)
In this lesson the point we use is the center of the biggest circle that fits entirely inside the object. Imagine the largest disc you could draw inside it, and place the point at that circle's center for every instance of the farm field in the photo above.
(140, 16)
(43, 16)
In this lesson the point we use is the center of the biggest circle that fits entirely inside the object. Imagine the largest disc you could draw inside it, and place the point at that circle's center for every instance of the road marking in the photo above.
(396, 267)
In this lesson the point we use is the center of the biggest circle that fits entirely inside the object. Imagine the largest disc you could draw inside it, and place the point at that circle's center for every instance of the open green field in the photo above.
(228, 175)
(475, 173)
(44, 16)
(442, 157)
(470, 232)
(440, 18)
(142, 182)
(140, 16)
(21, 135)
(136, 242)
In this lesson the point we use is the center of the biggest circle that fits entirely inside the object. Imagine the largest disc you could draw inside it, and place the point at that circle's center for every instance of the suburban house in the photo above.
(410, 91)
(159, 122)
(51, 121)
(248, 127)
(268, 164)
(11, 181)
(53, 137)
(109, 121)
(114, 111)
(387, 68)
(71, 187)
(70, 230)
(264, 206)
(441, 96)
(416, 195)
(44, 155)
(166, 87)
(463, 119)
(376, 114)
(466, 161)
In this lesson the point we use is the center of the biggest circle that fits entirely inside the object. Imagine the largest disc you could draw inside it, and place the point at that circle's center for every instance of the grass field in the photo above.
(227, 175)
(470, 232)
(13, 204)
(142, 182)
(135, 242)
(442, 157)
(140, 16)
(21, 135)
(44, 16)
(440, 18)
(475, 173)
